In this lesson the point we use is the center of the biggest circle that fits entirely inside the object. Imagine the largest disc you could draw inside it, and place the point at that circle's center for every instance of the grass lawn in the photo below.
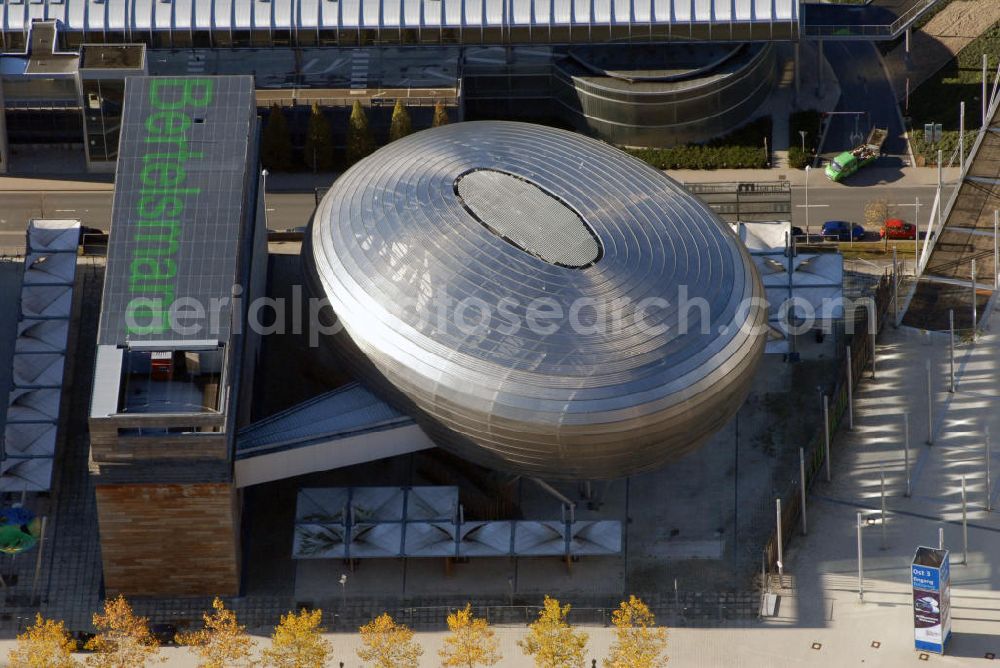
(875, 251)
(937, 99)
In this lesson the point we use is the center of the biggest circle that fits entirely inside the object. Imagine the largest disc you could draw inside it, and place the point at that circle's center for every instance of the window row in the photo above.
(14, 41)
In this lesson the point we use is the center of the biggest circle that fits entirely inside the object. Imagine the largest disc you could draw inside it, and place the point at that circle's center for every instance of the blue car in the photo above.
(843, 230)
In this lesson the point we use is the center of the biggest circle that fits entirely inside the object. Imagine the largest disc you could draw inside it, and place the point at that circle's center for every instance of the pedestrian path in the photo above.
(937, 42)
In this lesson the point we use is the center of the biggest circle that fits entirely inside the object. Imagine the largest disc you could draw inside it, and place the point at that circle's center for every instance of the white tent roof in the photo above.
(46, 301)
(431, 539)
(600, 537)
(49, 268)
(376, 539)
(394, 522)
(29, 475)
(815, 284)
(540, 538)
(41, 336)
(432, 503)
(40, 405)
(38, 370)
(319, 541)
(30, 440)
(39, 355)
(45, 234)
(485, 539)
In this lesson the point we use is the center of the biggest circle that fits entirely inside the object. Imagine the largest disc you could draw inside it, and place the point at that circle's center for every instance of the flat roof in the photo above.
(112, 56)
(178, 213)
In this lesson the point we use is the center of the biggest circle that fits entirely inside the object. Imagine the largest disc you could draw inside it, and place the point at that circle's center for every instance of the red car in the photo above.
(894, 228)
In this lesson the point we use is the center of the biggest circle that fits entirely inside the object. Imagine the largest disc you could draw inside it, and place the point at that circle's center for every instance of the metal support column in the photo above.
(850, 392)
(906, 450)
(861, 568)
(930, 405)
(802, 488)
(826, 434)
(781, 538)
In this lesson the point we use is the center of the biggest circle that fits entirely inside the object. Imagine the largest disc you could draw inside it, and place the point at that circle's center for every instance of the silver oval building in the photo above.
(541, 302)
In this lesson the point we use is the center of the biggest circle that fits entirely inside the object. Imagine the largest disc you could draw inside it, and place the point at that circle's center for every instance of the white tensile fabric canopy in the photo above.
(340, 523)
(39, 359)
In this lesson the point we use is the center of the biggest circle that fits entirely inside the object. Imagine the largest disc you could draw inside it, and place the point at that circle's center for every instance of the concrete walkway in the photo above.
(820, 620)
(936, 43)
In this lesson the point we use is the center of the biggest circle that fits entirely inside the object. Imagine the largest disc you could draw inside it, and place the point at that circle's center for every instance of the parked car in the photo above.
(894, 228)
(843, 230)
(797, 232)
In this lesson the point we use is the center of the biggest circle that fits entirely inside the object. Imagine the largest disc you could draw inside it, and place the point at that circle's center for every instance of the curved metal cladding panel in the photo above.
(572, 374)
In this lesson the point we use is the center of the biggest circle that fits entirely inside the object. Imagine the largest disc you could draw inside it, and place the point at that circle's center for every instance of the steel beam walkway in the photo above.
(967, 234)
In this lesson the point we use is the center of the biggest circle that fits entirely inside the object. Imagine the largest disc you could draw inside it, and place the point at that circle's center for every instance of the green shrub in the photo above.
(740, 149)
(360, 141)
(318, 151)
(276, 142)
(797, 159)
(809, 120)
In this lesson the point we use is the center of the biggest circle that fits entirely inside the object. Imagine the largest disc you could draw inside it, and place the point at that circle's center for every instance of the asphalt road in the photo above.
(284, 210)
(839, 202)
(863, 88)
(287, 210)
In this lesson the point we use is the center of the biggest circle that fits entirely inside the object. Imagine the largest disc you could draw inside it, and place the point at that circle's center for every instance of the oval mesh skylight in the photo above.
(524, 215)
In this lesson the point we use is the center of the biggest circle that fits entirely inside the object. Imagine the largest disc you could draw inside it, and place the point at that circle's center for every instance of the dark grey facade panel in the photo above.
(393, 247)
(179, 209)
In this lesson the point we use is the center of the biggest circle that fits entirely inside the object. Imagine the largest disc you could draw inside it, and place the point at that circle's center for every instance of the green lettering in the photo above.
(164, 243)
(159, 174)
(162, 206)
(167, 123)
(194, 92)
(145, 269)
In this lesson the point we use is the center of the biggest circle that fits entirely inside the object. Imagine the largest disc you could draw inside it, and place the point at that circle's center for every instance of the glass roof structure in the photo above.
(288, 18)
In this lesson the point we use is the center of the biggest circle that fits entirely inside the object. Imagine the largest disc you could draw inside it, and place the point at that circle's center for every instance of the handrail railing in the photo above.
(871, 30)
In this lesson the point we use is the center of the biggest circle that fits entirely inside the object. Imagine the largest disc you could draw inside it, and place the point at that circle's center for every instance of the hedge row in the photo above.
(740, 149)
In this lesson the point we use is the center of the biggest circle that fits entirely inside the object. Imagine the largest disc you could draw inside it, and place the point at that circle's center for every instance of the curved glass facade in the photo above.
(665, 113)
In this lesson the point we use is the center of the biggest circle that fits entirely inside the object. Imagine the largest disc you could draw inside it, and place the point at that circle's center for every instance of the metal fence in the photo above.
(815, 451)
(261, 614)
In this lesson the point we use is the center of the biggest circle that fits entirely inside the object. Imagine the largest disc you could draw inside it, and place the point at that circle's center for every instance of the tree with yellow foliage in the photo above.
(471, 643)
(387, 644)
(639, 643)
(298, 642)
(123, 639)
(440, 115)
(551, 641)
(46, 644)
(223, 643)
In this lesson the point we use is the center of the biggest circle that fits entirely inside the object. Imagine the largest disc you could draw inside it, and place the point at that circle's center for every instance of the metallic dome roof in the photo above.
(448, 255)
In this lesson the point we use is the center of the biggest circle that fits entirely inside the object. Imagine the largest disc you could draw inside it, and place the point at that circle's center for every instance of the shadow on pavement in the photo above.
(888, 169)
(973, 645)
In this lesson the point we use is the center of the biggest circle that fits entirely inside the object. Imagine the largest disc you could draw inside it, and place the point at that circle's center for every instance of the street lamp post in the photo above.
(263, 193)
(808, 169)
(803, 133)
